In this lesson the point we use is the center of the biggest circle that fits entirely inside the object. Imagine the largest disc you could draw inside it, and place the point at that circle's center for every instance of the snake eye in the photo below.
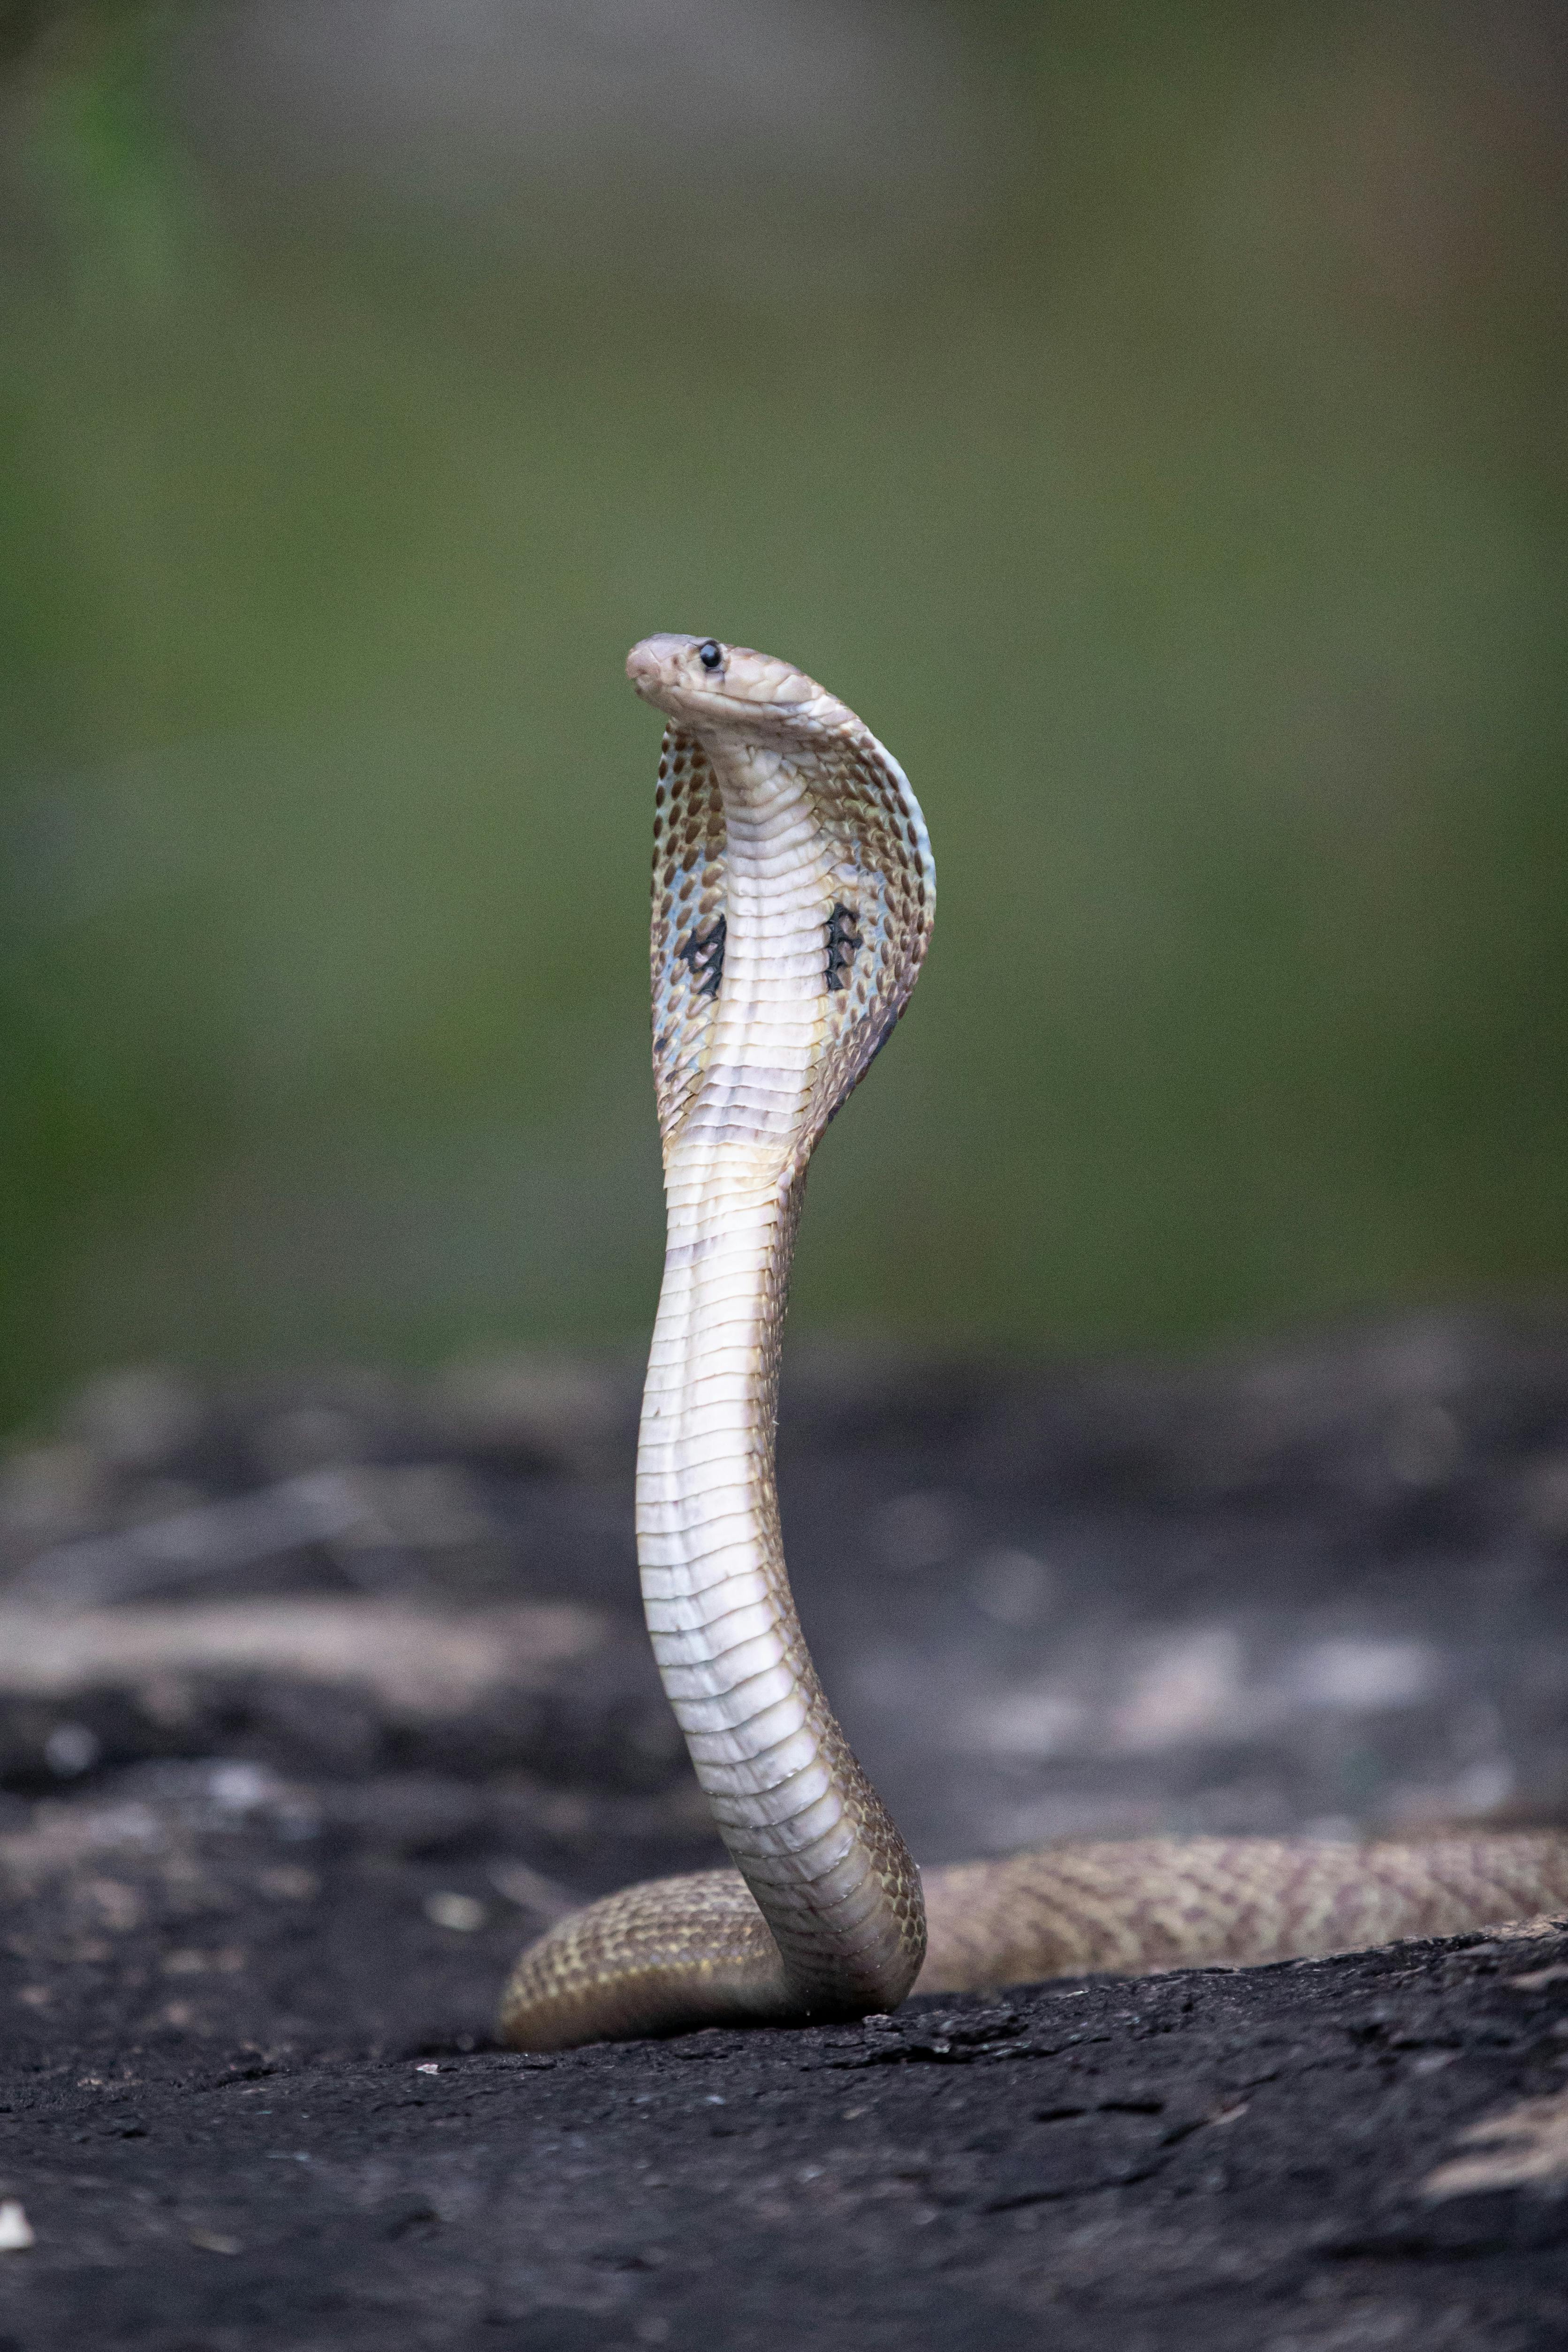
(710, 654)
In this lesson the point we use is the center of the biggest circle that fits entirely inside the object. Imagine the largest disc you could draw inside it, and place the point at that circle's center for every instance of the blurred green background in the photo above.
(1150, 419)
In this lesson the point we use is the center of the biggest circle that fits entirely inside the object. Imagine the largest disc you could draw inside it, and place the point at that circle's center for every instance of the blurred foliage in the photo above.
(1178, 486)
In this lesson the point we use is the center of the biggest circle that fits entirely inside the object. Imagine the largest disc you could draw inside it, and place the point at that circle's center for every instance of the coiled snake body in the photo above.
(792, 897)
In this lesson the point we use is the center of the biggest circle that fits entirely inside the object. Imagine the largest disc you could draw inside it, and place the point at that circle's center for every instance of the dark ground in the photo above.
(315, 1704)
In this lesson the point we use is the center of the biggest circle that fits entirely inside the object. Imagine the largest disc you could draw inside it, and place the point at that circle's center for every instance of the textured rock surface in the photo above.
(1286, 2159)
(263, 1878)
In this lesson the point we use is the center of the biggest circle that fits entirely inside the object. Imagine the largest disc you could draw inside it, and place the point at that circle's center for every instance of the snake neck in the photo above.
(829, 1870)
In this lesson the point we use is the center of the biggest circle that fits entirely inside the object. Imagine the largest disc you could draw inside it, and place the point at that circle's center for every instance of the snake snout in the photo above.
(658, 664)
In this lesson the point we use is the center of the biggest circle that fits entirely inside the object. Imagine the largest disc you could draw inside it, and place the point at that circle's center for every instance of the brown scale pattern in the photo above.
(672, 1954)
(860, 806)
(688, 895)
(679, 1953)
(1143, 1904)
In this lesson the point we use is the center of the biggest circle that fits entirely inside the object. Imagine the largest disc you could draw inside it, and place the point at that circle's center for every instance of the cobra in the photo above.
(792, 897)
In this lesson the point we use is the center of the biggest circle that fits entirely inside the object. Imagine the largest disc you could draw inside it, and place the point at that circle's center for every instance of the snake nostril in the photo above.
(710, 654)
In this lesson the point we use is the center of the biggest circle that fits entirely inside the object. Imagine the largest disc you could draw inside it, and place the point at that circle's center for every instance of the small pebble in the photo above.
(15, 2229)
(459, 1912)
(213, 2241)
(70, 1748)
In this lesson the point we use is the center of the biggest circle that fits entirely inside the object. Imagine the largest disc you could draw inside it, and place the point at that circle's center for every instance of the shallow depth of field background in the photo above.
(1150, 420)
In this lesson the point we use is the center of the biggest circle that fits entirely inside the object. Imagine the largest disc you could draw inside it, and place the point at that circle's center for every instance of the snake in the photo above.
(794, 891)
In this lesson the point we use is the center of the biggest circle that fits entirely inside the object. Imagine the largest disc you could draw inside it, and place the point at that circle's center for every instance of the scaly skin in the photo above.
(792, 895)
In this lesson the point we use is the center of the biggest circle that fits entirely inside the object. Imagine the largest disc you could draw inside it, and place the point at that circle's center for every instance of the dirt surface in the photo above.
(315, 1703)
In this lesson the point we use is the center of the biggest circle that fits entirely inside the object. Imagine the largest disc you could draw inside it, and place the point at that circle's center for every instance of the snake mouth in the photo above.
(654, 661)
